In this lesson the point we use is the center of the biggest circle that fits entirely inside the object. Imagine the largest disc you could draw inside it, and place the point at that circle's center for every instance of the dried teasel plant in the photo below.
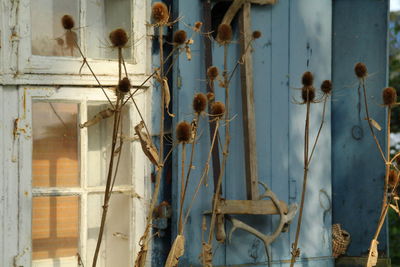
(308, 95)
(161, 17)
(391, 179)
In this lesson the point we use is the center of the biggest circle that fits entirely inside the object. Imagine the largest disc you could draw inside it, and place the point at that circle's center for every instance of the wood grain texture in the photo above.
(249, 116)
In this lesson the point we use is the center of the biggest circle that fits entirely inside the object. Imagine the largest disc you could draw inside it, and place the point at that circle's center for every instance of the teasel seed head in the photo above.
(307, 79)
(160, 13)
(308, 94)
(180, 37)
(256, 34)
(212, 73)
(389, 96)
(326, 87)
(199, 102)
(218, 109)
(224, 34)
(118, 38)
(67, 22)
(124, 85)
(393, 178)
(360, 69)
(183, 132)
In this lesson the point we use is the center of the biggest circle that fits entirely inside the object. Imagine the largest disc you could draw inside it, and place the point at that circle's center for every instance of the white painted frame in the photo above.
(140, 167)
(19, 66)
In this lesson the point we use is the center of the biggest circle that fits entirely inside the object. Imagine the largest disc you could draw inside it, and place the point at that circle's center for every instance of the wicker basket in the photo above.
(340, 240)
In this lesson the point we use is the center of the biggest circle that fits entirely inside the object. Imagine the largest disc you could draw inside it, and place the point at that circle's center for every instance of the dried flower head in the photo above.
(197, 26)
(124, 85)
(389, 96)
(224, 34)
(67, 22)
(199, 102)
(218, 109)
(180, 37)
(308, 94)
(183, 132)
(118, 37)
(210, 96)
(360, 70)
(307, 79)
(256, 34)
(393, 178)
(212, 73)
(326, 87)
(160, 13)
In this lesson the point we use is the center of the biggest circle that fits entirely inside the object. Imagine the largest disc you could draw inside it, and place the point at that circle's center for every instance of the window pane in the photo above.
(99, 147)
(104, 16)
(48, 35)
(55, 227)
(55, 145)
(115, 244)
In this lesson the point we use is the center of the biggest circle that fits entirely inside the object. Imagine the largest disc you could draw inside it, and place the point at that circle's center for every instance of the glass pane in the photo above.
(55, 227)
(48, 36)
(115, 244)
(104, 16)
(55, 145)
(99, 147)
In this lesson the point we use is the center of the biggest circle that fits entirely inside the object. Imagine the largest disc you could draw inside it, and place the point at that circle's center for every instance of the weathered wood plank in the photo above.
(255, 207)
(249, 117)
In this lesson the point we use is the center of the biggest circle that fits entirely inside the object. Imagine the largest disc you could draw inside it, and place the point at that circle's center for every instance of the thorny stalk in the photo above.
(320, 128)
(185, 185)
(205, 171)
(225, 152)
(110, 180)
(295, 251)
(180, 226)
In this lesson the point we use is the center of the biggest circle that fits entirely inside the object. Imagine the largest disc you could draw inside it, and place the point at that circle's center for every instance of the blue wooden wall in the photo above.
(359, 34)
(296, 38)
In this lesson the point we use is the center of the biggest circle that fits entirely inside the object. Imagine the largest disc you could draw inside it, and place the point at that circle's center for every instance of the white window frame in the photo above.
(19, 66)
(139, 191)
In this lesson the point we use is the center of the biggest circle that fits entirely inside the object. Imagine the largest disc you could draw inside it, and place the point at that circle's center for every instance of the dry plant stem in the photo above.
(185, 185)
(108, 192)
(94, 75)
(303, 193)
(320, 128)
(216, 197)
(369, 120)
(385, 204)
(240, 61)
(180, 226)
(145, 237)
(205, 172)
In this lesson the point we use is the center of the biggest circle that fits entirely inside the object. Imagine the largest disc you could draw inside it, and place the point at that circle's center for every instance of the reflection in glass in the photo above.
(48, 36)
(104, 16)
(115, 246)
(55, 227)
(55, 145)
(99, 146)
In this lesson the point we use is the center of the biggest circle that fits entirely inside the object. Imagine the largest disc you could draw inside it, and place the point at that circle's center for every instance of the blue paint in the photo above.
(296, 36)
(359, 34)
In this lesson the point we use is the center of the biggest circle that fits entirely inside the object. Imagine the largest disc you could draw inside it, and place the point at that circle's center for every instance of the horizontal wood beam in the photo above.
(251, 207)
